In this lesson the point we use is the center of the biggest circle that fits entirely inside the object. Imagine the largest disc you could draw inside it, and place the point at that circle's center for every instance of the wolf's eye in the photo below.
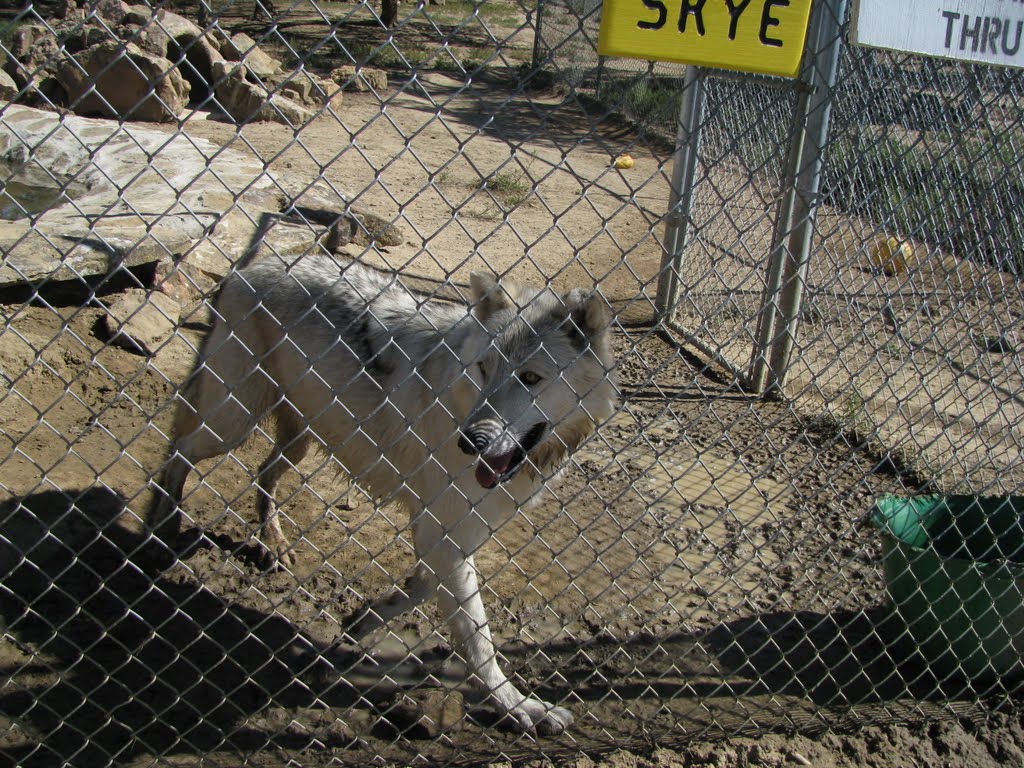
(483, 369)
(530, 378)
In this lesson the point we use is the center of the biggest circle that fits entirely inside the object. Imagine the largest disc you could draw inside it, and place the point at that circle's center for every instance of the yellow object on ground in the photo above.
(891, 255)
(624, 161)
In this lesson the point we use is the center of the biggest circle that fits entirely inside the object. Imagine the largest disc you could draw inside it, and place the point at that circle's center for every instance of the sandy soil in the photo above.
(704, 567)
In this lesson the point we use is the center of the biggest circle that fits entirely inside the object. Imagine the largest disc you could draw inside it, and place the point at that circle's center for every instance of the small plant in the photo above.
(7, 30)
(445, 178)
(510, 188)
(854, 418)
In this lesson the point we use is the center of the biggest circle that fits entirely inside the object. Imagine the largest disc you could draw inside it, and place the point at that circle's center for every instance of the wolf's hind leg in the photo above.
(216, 413)
(192, 445)
(291, 443)
(163, 518)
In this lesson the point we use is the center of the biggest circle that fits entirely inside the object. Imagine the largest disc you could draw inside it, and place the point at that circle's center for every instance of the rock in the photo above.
(123, 82)
(142, 321)
(305, 726)
(138, 14)
(337, 733)
(357, 227)
(33, 51)
(376, 229)
(150, 38)
(341, 232)
(134, 64)
(79, 37)
(298, 85)
(245, 102)
(325, 726)
(233, 239)
(319, 204)
(109, 11)
(183, 281)
(307, 89)
(241, 47)
(426, 713)
(283, 238)
(352, 78)
(177, 27)
(27, 40)
(112, 10)
(116, 174)
(195, 52)
(8, 88)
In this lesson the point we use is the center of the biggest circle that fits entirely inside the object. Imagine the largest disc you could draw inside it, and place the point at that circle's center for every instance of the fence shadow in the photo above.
(796, 669)
(110, 658)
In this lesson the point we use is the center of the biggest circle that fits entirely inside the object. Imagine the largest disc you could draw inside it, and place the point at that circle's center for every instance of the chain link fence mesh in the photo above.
(703, 567)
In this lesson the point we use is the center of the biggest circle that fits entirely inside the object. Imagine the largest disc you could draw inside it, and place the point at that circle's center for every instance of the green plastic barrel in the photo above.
(954, 571)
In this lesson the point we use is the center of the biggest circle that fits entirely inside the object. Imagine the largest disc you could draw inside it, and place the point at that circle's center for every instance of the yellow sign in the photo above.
(765, 36)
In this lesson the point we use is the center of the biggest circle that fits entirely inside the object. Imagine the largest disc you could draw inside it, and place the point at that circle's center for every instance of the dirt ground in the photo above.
(703, 568)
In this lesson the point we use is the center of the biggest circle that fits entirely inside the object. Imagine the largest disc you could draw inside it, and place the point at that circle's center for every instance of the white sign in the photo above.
(990, 31)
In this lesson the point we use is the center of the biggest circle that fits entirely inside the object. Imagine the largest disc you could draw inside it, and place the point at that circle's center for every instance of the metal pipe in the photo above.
(827, 44)
(684, 171)
(758, 371)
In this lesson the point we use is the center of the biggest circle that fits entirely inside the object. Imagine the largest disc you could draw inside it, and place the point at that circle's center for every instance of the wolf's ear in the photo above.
(590, 313)
(488, 296)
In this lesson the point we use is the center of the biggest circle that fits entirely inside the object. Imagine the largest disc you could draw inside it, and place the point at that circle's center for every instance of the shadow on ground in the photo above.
(142, 664)
(108, 657)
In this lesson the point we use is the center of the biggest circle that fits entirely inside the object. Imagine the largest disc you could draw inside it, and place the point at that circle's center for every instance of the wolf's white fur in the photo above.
(458, 413)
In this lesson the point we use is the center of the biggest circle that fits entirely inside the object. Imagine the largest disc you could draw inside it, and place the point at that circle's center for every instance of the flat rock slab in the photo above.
(128, 194)
(141, 321)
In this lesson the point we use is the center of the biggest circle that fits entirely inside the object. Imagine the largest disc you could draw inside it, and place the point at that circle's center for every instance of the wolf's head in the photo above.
(545, 379)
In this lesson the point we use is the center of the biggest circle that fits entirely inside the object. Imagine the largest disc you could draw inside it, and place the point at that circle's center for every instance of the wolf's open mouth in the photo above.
(491, 470)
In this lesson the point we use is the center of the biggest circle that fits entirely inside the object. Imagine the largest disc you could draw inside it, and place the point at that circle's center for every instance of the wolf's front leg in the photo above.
(463, 608)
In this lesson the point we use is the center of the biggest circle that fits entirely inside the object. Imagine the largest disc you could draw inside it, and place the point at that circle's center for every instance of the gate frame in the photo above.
(789, 256)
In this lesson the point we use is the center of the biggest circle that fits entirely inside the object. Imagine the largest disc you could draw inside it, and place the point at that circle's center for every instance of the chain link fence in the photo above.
(298, 195)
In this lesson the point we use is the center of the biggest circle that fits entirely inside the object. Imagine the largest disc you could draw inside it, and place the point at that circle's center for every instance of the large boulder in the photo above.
(111, 11)
(177, 27)
(34, 51)
(123, 81)
(139, 15)
(132, 63)
(307, 89)
(245, 101)
(112, 177)
(191, 49)
(241, 47)
(352, 78)
(148, 36)
(293, 98)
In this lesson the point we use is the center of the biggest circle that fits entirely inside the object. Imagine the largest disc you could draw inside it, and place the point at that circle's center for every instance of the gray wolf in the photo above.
(458, 412)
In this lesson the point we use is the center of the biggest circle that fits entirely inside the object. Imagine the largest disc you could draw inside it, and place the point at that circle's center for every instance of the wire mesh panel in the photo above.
(337, 427)
(920, 249)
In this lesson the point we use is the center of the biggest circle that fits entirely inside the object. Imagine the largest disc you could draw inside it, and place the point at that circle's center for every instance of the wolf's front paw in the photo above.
(536, 716)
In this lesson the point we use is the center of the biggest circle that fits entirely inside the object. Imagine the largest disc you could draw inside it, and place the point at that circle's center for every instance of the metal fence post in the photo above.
(684, 171)
(538, 36)
(789, 270)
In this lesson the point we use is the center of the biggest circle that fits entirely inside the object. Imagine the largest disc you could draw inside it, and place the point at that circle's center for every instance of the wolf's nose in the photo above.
(472, 441)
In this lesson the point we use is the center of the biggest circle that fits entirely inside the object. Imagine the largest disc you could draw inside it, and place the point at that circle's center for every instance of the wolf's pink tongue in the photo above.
(490, 468)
